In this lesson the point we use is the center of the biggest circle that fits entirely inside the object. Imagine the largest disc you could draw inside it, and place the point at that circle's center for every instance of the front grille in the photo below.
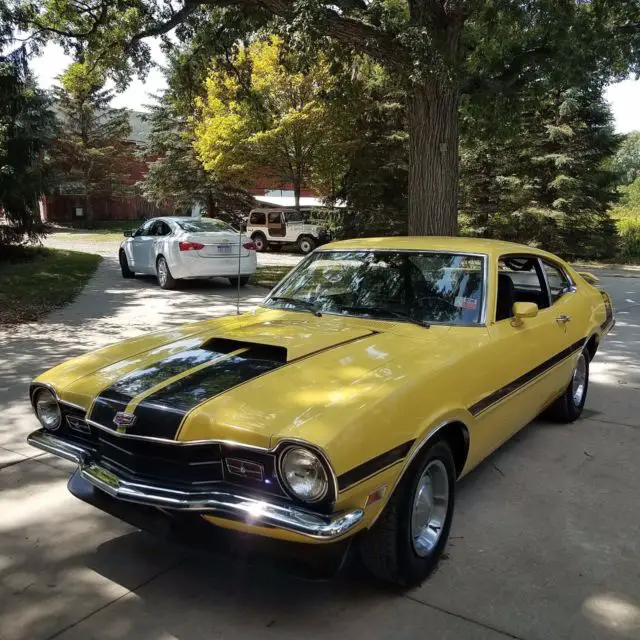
(180, 466)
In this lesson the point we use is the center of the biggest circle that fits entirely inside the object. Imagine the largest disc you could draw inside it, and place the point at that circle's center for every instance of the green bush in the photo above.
(629, 238)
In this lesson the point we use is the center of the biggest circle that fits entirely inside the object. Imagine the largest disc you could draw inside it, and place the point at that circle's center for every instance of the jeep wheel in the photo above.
(306, 244)
(261, 242)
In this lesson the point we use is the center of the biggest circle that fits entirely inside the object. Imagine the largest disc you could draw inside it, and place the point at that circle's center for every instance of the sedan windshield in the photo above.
(198, 225)
(423, 287)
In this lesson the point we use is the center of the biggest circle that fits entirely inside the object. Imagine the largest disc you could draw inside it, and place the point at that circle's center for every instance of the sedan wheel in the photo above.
(165, 279)
(405, 544)
(569, 405)
(430, 507)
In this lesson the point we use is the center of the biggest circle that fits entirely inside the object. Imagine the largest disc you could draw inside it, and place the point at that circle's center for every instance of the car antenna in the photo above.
(238, 278)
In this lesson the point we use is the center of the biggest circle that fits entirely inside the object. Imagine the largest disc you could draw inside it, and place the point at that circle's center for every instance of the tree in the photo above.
(92, 152)
(176, 175)
(263, 112)
(627, 159)
(26, 129)
(446, 52)
(548, 181)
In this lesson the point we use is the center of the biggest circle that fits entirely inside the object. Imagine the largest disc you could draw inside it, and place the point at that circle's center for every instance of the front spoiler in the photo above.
(220, 502)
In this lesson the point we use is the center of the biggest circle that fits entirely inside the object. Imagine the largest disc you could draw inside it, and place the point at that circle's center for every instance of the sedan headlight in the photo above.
(47, 409)
(304, 474)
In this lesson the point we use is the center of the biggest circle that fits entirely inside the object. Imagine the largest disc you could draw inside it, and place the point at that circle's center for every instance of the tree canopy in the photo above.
(481, 55)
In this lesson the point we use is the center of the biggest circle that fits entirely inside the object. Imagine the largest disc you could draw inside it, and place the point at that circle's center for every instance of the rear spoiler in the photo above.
(589, 277)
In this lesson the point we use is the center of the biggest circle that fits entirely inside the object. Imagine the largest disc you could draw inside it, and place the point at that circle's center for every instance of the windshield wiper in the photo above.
(307, 306)
(388, 312)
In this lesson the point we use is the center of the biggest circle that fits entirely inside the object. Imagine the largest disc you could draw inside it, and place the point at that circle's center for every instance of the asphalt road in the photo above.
(545, 542)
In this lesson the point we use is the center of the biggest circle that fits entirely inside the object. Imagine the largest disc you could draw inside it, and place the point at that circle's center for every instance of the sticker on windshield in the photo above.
(466, 303)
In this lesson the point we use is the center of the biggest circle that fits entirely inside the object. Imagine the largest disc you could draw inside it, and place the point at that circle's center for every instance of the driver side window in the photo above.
(520, 279)
(145, 229)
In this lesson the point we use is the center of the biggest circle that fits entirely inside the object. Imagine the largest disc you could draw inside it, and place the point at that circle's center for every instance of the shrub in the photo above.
(629, 239)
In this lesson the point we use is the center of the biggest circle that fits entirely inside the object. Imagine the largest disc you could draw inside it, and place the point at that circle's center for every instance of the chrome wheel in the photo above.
(305, 246)
(579, 380)
(163, 272)
(430, 506)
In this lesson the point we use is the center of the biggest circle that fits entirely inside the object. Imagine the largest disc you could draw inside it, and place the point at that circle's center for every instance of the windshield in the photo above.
(198, 225)
(423, 287)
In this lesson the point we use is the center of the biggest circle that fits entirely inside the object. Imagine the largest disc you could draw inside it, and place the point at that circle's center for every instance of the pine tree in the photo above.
(92, 152)
(547, 182)
(26, 129)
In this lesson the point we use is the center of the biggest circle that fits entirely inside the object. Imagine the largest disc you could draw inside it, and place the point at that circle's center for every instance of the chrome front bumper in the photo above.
(222, 503)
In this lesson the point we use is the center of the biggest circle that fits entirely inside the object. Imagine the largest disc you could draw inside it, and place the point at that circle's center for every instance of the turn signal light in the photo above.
(250, 246)
(190, 246)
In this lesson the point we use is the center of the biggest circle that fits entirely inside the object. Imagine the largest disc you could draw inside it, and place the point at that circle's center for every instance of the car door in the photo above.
(140, 247)
(533, 359)
(160, 232)
(276, 224)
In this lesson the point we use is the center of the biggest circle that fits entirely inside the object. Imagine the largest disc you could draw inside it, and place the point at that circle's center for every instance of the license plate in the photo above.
(224, 248)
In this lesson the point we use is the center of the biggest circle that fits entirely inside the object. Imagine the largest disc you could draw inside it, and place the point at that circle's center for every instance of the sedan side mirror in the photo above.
(523, 310)
(127, 234)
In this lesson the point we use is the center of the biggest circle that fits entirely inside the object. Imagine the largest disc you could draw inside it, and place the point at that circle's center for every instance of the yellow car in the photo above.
(375, 375)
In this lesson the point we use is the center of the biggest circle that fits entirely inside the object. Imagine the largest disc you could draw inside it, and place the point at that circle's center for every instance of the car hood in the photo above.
(253, 379)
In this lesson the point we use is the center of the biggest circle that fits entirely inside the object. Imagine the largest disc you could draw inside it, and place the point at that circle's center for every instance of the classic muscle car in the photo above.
(372, 378)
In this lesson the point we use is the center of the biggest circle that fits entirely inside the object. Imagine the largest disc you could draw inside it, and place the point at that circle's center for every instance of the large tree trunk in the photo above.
(433, 157)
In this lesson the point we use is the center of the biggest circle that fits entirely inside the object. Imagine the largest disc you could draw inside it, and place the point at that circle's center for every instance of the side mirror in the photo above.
(523, 310)
(127, 234)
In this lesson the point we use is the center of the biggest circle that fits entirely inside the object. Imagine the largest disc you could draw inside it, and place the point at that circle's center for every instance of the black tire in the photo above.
(388, 550)
(244, 281)
(567, 407)
(165, 279)
(306, 244)
(124, 266)
(261, 242)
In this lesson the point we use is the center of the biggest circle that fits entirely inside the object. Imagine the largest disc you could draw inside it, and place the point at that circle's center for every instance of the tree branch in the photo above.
(164, 27)
(349, 31)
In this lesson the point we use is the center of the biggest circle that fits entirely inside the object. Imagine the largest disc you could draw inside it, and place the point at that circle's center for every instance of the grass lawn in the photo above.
(38, 280)
(269, 276)
(108, 233)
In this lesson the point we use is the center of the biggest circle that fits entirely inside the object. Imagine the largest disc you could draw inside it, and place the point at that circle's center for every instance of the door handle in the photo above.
(563, 319)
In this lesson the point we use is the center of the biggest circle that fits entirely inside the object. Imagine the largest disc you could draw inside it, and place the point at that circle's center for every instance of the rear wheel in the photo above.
(244, 281)
(569, 405)
(124, 266)
(405, 544)
(165, 279)
(260, 241)
(306, 244)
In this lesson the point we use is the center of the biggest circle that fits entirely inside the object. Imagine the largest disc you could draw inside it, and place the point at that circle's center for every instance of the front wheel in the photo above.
(405, 544)
(569, 405)
(165, 279)
(124, 266)
(243, 281)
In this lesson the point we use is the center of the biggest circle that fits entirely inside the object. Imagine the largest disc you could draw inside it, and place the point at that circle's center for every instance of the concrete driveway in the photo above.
(545, 542)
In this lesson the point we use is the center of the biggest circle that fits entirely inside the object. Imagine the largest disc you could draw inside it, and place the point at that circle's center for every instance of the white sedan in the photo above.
(179, 248)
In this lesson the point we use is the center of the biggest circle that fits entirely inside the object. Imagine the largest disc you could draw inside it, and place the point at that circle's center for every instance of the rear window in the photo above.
(204, 224)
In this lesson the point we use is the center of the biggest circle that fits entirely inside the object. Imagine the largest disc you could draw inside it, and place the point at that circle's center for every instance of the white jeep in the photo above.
(277, 227)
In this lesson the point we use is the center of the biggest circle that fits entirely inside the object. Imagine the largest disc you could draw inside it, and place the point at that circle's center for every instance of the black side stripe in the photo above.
(524, 379)
(373, 466)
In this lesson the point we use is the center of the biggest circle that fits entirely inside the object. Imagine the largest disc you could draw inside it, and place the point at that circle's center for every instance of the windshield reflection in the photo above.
(422, 287)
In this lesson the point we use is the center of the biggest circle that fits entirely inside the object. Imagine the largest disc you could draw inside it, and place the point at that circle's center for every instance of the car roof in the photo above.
(437, 243)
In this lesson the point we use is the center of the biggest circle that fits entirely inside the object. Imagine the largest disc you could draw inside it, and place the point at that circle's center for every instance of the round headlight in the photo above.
(304, 474)
(47, 409)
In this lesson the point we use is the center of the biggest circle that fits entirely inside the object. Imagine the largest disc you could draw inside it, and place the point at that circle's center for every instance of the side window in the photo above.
(145, 229)
(558, 282)
(163, 229)
(520, 279)
(258, 217)
(275, 218)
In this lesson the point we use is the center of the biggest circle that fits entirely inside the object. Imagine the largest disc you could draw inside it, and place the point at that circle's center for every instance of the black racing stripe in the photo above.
(116, 397)
(524, 379)
(373, 466)
(160, 414)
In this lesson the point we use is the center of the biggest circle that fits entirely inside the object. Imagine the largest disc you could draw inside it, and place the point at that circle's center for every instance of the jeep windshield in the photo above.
(411, 286)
